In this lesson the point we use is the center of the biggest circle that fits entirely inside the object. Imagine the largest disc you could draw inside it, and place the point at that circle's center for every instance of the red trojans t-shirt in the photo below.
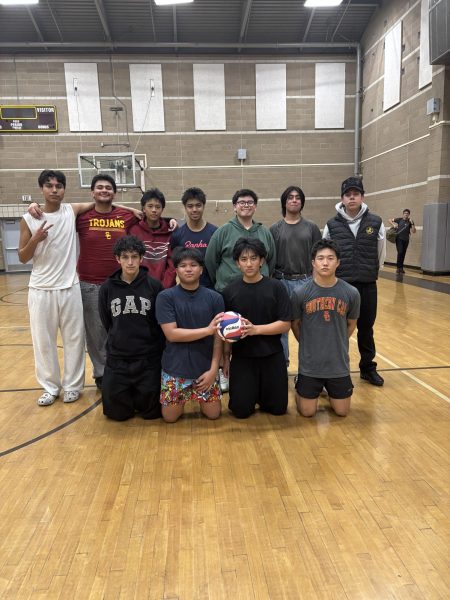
(98, 233)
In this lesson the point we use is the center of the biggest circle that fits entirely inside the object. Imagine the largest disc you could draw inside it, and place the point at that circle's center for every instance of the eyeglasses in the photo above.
(246, 202)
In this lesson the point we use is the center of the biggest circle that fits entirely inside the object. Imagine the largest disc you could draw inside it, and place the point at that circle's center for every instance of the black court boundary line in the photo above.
(6, 303)
(434, 286)
(52, 431)
(97, 402)
(387, 369)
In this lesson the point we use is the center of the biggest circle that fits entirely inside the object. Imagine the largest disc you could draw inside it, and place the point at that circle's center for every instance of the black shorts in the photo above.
(337, 387)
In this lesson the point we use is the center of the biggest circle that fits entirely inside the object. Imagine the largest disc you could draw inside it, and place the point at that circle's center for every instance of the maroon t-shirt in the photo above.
(98, 233)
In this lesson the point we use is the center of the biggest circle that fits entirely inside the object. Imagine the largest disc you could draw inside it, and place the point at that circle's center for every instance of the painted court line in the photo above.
(416, 379)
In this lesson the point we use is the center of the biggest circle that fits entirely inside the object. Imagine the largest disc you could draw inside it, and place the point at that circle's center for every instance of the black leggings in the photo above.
(260, 380)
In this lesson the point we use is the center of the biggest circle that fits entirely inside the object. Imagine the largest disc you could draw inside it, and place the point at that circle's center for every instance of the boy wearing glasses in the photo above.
(219, 261)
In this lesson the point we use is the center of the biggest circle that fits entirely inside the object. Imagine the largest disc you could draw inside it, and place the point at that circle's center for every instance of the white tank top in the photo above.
(55, 258)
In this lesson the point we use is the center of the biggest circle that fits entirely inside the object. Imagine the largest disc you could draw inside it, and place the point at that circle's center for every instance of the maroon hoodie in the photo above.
(158, 253)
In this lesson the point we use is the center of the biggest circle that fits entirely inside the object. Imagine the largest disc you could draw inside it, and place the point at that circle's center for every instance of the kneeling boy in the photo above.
(325, 313)
(188, 314)
(258, 368)
(135, 342)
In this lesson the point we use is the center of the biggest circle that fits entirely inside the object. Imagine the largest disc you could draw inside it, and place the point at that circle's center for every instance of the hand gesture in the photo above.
(42, 233)
(173, 224)
(35, 210)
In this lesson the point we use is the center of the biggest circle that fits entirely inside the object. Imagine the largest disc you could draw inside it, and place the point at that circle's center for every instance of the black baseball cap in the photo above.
(352, 183)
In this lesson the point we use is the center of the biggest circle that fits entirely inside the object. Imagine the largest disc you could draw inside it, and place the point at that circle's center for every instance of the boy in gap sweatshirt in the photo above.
(135, 343)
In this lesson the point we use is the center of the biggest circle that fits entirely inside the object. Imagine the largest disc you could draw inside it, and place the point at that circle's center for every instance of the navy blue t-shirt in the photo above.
(186, 238)
(189, 310)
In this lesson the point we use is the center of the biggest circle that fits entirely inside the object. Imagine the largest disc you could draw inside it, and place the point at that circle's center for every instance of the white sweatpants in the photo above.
(51, 310)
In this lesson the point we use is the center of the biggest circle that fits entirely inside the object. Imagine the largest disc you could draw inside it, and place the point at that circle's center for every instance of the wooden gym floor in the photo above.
(268, 508)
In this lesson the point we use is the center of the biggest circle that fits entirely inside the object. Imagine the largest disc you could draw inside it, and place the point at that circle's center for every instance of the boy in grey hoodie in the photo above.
(361, 238)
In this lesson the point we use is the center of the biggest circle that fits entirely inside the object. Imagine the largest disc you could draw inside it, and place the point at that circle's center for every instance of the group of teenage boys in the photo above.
(154, 343)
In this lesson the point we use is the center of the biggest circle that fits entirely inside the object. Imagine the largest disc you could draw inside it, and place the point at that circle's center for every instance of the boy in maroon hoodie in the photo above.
(155, 233)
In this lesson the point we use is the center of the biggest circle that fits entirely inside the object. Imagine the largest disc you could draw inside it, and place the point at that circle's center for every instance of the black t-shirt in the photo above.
(261, 303)
(404, 228)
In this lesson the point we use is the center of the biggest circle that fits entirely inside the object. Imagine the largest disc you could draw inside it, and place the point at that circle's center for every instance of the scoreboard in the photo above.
(36, 118)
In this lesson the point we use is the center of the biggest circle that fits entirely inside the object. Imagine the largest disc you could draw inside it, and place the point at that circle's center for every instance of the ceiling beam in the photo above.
(311, 17)
(35, 25)
(174, 21)
(102, 14)
(246, 8)
(344, 12)
(191, 45)
(55, 21)
(150, 4)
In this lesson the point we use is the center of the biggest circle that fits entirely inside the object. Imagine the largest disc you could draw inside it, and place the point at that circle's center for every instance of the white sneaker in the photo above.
(223, 382)
(71, 396)
(46, 399)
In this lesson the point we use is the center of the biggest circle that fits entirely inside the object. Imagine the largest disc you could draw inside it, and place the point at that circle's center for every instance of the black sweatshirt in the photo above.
(127, 311)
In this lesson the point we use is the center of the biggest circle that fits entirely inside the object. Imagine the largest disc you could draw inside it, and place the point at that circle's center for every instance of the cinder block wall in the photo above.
(180, 157)
(399, 151)
(401, 154)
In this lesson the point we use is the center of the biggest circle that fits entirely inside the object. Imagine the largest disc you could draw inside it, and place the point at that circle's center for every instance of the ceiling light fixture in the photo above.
(322, 3)
(18, 2)
(169, 2)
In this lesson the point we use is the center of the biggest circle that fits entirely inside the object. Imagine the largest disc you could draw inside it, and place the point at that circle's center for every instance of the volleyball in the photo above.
(231, 327)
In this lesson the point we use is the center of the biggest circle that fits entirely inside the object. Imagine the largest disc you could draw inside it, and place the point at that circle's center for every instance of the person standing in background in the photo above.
(294, 237)
(196, 232)
(154, 232)
(361, 238)
(404, 227)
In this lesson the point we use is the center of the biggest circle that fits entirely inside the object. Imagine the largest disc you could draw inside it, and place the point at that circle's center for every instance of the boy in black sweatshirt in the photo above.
(135, 342)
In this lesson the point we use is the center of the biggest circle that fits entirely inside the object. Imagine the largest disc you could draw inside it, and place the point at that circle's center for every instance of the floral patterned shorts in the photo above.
(179, 390)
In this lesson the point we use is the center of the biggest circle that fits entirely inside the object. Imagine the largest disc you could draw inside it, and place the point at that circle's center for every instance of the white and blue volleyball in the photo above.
(231, 326)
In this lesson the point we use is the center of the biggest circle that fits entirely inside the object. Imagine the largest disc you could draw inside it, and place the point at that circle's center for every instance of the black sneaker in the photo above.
(373, 378)
(98, 382)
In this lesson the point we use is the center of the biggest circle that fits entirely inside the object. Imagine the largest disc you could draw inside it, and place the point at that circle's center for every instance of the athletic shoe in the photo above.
(71, 396)
(223, 382)
(46, 399)
(98, 382)
(373, 377)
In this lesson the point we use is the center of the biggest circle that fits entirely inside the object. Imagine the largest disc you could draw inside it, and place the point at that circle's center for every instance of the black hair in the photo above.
(129, 243)
(406, 209)
(323, 244)
(242, 193)
(193, 193)
(103, 177)
(153, 194)
(48, 174)
(285, 194)
(253, 244)
(181, 254)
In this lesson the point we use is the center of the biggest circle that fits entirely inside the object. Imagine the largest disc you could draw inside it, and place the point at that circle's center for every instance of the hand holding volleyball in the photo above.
(231, 326)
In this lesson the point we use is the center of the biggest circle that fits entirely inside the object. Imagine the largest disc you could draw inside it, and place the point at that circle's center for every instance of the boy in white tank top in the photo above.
(54, 298)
